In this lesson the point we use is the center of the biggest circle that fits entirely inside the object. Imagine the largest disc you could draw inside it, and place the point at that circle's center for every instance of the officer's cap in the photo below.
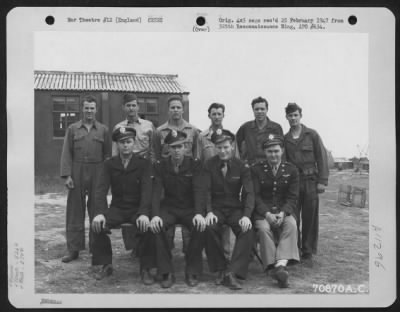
(175, 137)
(123, 133)
(221, 135)
(272, 139)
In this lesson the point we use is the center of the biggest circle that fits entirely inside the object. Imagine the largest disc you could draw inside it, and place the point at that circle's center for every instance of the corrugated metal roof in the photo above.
(100, 81)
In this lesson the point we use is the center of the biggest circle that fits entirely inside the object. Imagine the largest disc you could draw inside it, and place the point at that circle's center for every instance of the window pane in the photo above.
(151, 107)
(58, 103)
(72, 107)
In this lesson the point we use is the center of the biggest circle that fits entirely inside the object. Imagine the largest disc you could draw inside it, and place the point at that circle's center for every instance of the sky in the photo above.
(325, 73)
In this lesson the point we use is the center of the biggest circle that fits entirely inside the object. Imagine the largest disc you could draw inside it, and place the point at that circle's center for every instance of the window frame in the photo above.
(65, 111)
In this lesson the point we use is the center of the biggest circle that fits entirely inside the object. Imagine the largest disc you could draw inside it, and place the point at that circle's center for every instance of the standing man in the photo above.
(229, 183)
(129, 178)
(86, 146)
(177, 123)
(142, 146)
(304, 149)
(180, 178)
(252, 134)
(276, 188)
(206, 150)
(143, 143)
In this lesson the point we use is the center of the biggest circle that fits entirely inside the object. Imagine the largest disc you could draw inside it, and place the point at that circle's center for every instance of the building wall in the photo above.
(109, 111)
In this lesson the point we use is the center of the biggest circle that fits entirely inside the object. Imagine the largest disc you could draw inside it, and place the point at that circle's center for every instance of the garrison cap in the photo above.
(272, 139)
(129, 97)
(123, 133)
(175, 137)
(221, 135)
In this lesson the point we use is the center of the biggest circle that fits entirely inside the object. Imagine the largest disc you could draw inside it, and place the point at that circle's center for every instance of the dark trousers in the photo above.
(85, 177)
(193, 255)
(308, 212)
(101, 247)
(242, 250)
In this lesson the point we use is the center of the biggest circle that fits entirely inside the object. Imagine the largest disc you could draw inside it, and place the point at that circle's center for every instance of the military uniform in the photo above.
(308, 154)
(161, 151)
(276, 193)
(131, 189)
(249, 139)
(232, 197)
(182, 200)
(82, 158)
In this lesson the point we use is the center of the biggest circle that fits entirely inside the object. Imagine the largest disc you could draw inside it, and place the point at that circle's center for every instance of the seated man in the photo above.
(130, 181)
(276, 188)
(228, 181)
(179, 176)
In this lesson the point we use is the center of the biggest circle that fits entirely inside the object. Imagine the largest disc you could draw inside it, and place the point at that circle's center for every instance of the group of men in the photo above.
(258, 184)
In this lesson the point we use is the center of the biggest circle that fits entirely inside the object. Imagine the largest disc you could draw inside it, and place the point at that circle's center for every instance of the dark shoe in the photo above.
(191, 280)
(72, 255)
(281, 275)
(147, 279)
(220, 278)
(168, 280)
(105, 271)
(231, 282)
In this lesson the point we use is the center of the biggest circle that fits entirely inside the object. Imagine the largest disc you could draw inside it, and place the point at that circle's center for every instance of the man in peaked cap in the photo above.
(86, 146)
(228, 181)
(129, 178)
(180, 177)
(142, 145)
(276, 188)
(304, 149)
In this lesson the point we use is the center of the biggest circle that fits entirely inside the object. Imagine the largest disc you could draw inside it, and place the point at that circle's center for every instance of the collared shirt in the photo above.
(81, 145)
(250, 139)
(161, 149)
(144, 137)
(206, 148)
(308, 154)
(125, 161)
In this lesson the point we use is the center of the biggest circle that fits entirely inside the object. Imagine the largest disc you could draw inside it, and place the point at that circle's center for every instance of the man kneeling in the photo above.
(130, 182)
(276, 187)
(180, 177)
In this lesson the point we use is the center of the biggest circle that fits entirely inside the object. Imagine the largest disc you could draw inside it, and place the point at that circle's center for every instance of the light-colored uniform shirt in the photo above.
(161, 149)
(206, 148)
(143, 142)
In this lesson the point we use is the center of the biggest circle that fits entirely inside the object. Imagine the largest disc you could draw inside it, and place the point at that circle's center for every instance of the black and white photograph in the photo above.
(230, 156)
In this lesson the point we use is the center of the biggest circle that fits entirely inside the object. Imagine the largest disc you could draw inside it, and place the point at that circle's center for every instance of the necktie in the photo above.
(224, 168)
(274, 170)
(176, 168)
(125, 163)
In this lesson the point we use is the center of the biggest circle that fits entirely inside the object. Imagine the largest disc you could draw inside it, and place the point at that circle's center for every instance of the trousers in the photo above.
(240, 260)
(101, 246)
(277, 243)
(85, 177)
(307, 215)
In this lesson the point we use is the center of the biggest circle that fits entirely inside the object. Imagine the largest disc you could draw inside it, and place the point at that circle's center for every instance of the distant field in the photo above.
(342, 259)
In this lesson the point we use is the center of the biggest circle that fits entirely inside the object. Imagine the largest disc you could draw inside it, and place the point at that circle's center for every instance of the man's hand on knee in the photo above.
(156, 224)
(98, 223)
(211, 218)
(199, 222)
(143, 223)
(245, 224)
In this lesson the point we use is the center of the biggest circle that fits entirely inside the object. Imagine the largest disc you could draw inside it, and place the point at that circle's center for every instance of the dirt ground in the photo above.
(342, 257)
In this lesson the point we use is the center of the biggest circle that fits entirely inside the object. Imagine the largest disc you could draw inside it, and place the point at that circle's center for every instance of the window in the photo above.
(65, 112)
(148, 106)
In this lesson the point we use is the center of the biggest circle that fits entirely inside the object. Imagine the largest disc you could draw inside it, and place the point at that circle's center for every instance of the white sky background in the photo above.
(325, 73)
